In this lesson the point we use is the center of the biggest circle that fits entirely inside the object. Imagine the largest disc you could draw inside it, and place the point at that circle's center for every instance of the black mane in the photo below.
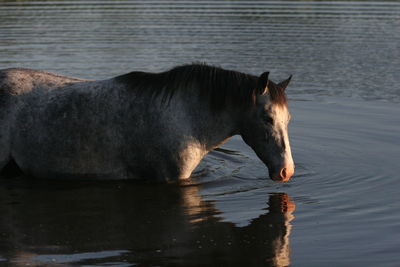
(219, 87)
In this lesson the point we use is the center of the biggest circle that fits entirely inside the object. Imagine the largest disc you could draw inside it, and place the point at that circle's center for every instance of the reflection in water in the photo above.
(264, 242)
(283, 205)
(46, 222)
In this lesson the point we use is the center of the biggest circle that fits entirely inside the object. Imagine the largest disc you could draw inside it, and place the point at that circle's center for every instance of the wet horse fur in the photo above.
(138, 125)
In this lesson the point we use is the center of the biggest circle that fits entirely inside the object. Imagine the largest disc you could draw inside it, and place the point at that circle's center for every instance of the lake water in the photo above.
(340, 209)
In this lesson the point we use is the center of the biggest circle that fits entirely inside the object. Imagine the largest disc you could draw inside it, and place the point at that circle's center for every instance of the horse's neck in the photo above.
(219, 130)
(202, 131)
(212, 128)
(185, 117)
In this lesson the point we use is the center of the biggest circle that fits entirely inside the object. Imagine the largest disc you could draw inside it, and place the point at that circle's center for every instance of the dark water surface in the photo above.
(340, 209)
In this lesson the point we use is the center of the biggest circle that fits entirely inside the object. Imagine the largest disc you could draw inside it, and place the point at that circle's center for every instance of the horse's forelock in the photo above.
(277, 94)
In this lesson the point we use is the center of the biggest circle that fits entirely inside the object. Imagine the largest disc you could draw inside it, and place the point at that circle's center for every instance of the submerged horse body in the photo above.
(139, 125)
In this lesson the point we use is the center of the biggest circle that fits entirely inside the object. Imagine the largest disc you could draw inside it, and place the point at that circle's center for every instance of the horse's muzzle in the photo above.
(283, 175)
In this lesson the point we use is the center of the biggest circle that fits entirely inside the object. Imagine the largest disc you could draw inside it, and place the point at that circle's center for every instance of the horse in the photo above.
(139, 125)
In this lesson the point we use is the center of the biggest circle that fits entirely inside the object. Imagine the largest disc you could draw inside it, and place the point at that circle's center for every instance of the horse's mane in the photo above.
(219, 86)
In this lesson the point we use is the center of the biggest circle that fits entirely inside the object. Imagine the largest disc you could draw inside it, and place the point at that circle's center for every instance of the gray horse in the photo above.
(139, 125)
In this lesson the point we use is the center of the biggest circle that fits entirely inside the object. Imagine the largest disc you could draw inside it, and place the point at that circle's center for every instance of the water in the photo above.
(340, 209)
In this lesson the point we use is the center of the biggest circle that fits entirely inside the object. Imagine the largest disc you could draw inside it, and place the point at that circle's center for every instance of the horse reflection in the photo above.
(264, 242)
(154, 225)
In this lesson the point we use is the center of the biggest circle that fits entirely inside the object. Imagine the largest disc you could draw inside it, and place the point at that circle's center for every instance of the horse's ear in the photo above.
(262, 86)
(285, 83)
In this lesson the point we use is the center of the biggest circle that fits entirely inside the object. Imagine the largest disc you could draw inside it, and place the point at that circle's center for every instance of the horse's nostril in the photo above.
(286, 173)
(283, 173)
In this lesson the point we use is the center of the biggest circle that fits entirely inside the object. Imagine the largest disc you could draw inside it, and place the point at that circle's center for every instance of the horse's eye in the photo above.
(268, 120)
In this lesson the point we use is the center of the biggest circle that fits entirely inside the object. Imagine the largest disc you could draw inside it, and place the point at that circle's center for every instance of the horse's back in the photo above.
(14, 84)
(16, 81)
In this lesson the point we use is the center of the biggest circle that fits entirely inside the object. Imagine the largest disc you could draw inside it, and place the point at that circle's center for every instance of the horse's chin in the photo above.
(279, 179)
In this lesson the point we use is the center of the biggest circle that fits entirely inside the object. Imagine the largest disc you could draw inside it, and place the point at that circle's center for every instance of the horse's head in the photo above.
(265, 128)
